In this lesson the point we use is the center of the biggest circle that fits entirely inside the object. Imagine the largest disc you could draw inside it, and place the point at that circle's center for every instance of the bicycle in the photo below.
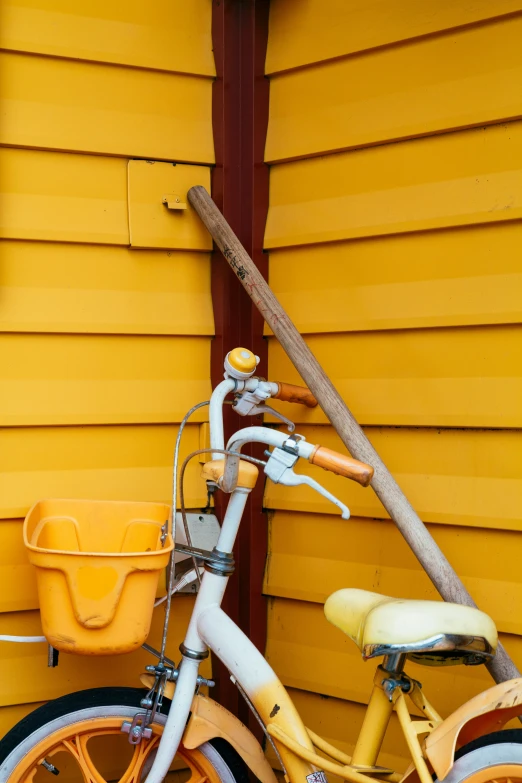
(174, 722)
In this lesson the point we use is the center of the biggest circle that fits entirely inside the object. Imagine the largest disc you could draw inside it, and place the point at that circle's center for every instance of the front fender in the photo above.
(487, 712)
(209, 719)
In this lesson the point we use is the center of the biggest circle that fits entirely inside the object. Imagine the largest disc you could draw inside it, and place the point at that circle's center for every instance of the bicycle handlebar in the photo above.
(287, 392)
(342, 465)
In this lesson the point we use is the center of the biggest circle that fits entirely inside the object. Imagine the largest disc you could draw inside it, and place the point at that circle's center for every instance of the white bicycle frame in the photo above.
(210, 628)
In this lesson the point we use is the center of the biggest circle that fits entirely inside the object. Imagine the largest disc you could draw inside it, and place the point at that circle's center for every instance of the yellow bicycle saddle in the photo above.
(433, 633)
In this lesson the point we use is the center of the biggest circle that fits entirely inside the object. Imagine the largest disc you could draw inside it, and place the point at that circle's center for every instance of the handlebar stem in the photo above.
(217, 434)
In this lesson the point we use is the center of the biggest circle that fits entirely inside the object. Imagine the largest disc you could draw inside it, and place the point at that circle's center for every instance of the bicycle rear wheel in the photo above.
(493, 758)
(80, 736)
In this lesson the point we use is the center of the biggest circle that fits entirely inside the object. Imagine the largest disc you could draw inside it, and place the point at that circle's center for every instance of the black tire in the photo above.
(26, 735)
(487, 752)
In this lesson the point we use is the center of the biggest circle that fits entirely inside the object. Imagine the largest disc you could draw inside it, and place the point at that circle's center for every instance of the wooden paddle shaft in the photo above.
(384, 485)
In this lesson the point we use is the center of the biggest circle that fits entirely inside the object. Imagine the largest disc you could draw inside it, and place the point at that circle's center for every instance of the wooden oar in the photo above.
(384, 485)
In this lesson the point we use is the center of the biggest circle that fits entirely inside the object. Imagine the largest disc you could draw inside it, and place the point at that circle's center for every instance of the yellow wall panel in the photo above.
(79, 379)
(28, 679)
(106, 463)
(459, 477)
(65, 198)
(307, 31)
(170, 35)
(88, 107)
(55, 287)
(94, 333)
(356, 553)
(430, 85)
(435, 278)
(400, 263)
(17, 576)
(458, 377)
(151, 222)
(449, 180)
(311, 654)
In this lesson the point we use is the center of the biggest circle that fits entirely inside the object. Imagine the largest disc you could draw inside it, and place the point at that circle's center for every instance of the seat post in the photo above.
(376, 720)
(394, 664)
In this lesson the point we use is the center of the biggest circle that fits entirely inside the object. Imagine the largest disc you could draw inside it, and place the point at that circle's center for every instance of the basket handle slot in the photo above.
(58, 533)
(141, 536)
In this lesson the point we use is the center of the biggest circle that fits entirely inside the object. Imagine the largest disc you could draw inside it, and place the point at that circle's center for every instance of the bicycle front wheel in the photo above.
(80, 737)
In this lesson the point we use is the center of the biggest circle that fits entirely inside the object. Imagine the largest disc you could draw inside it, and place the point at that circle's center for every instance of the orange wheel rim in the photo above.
(498, 773)
(74, 740)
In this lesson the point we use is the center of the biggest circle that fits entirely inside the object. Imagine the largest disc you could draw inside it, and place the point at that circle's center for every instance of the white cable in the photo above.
(185, 580)
(23, 639)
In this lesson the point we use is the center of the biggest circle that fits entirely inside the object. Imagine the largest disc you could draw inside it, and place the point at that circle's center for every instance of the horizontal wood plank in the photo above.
(88, 107)
(307, 32)
(458, 377)
(65, 198)
(99, 463)
(456, 179)
(430, 278)
(463, 78)
(54, 287)
(101, 379)
(170, 35)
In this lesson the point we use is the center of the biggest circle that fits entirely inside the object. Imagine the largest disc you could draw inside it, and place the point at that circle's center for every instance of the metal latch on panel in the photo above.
(174, 202)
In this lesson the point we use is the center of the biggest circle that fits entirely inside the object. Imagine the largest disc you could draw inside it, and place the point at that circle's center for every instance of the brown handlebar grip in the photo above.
(289, 393)
(342, 465)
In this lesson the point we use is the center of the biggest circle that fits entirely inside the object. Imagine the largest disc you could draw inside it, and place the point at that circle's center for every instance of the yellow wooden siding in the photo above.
(116, 290)
(454, 179)
(400, 263)
(170, 35)
(103, 347)
(118, 462)
(307, 31)
(407, 280)
(105, 109)
(66, 198)
(142, 386)
(400, 92)
(449, 377)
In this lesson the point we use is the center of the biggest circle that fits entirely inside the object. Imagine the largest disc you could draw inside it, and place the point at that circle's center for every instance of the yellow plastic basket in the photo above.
(97, 568)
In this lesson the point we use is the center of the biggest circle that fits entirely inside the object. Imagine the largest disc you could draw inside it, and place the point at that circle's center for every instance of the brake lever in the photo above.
(261, 409)
(252, 403)
(279, 469)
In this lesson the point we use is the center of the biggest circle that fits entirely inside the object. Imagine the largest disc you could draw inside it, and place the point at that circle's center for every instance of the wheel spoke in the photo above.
(200, 779)
(77, 747)
(141, 753)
